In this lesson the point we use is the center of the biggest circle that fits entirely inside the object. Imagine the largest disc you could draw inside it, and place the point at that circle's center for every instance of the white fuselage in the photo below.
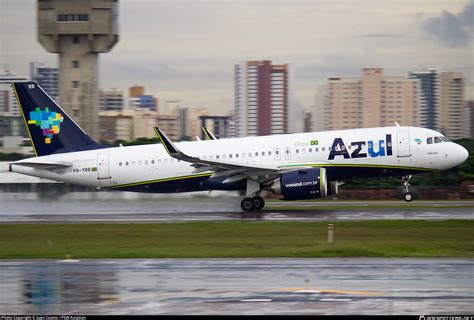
(122, 166)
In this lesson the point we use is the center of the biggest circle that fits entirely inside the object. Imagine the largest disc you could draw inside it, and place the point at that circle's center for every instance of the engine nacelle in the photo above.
(301, 184)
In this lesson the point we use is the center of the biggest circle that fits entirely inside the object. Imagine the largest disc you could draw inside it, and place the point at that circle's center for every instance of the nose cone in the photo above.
(462, 154)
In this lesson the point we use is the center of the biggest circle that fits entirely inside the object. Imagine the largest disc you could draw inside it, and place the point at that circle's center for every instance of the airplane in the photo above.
(296, 166)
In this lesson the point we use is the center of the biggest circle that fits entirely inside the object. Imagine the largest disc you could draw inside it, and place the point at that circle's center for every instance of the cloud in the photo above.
(451, 30)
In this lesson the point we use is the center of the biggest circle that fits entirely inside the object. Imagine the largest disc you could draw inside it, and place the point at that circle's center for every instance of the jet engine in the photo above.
(301, 184)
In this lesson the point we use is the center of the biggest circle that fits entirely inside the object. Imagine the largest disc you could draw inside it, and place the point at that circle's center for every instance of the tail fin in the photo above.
(51, 129)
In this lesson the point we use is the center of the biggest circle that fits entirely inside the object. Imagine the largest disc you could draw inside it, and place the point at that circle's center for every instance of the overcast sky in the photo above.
(186, 49)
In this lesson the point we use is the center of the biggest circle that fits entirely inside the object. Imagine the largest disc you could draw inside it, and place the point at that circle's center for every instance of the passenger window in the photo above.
(323, 149)
(230, 156)
(437, 140)
(297, 150)
(310, 149)
(250, 154)
(256, 154)
(236, 155)
(217, 156)
(126, 163)
(120, 164)
(263, 153)
(316, 150)
(269, 153)
(429, 140)
(152, 161)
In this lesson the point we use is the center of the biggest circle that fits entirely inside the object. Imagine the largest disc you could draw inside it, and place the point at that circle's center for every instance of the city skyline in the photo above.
(190, 48)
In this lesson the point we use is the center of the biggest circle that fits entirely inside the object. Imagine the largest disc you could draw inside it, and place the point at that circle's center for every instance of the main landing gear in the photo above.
(407, 196)
(252, 204)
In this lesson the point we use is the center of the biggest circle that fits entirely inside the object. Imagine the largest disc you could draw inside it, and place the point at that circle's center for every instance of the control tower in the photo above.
(78, 31)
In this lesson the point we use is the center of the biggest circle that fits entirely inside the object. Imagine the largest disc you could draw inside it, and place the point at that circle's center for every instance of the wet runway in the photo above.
(238, 286)
(126, 208)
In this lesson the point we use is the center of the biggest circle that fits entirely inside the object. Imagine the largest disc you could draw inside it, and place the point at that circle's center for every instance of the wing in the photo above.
(233, 171)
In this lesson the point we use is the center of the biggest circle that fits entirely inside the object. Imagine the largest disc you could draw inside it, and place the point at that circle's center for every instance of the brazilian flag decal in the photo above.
(314, 142)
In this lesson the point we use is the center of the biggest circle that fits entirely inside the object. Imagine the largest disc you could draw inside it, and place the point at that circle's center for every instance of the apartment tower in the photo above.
(261, 98)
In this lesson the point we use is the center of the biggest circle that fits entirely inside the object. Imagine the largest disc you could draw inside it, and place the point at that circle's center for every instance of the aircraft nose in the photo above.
(462, 154)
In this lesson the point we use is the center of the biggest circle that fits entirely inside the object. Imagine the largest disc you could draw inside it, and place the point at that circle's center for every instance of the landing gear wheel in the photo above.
(247, 204)
(258, 202)
(407, 196)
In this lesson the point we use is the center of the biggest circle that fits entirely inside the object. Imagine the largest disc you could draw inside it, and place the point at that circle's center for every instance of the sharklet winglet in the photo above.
(209, 135)
(172, 150)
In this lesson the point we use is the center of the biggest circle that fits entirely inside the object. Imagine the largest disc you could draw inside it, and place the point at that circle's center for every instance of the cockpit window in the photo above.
(437, 140)
(444, 139)
(429, 140)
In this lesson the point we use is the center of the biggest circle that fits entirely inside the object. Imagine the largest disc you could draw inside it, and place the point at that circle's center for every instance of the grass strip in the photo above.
(239, 239)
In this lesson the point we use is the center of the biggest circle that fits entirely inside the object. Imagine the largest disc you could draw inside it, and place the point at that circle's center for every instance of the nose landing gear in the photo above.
(407, 196)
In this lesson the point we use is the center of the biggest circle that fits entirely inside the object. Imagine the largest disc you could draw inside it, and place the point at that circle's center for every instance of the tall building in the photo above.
(78, 31)
(183, 123)
(47, 78)
(470, 119)
(371, 100)
(429, 97)
(111, 100)
(194, 121)
(8, 102)
(261, 103)
(169, 124)
(131, 124)
(320, 107)
(136, 91)
(451, 104)
(139, 100)
(219, 126)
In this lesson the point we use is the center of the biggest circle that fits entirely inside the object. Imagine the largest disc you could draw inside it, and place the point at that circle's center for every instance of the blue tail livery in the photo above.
(51, 130)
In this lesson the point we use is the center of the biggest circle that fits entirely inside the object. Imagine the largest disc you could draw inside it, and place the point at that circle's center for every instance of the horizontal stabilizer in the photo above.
(43, 165)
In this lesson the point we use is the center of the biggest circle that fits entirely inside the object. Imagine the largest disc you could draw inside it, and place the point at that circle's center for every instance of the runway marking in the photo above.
(256, 300)
(335, 300)
(314, 290)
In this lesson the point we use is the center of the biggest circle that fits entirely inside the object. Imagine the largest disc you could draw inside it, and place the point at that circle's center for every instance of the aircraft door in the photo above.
(103, 171)
(403, 144)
